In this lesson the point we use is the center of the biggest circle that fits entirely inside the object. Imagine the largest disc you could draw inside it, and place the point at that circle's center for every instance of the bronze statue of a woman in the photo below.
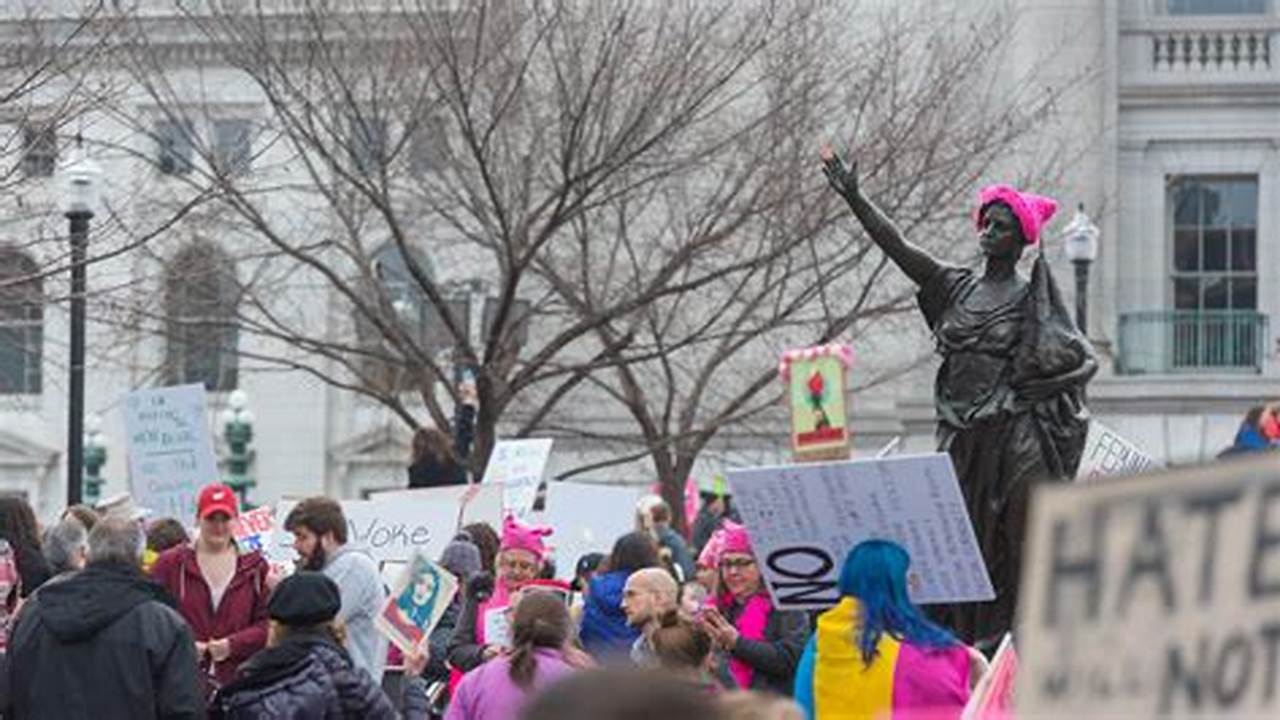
(1010, 391)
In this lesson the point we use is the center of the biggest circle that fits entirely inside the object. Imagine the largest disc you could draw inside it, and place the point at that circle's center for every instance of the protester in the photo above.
(1259, 431)
(87, 516)
(221, 592)
(66, 548)
(693, 597)
(18, 528)
(762, 643)
(487, 540)
(104, 643)
(649, 594)
(162, 534)
(461, 558)
(439, 460)
(621, 694)
(304, 672)
(605, 632)
(519, 561)
(681, 646)
(541, 633)
(122, 506)
(757, 706)
(586, 569)
(876, 654)
(669, 539)
(707, 567)
(716, 508)
(319, 530)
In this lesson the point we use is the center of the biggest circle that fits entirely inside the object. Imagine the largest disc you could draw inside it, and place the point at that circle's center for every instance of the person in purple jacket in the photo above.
(541, 633)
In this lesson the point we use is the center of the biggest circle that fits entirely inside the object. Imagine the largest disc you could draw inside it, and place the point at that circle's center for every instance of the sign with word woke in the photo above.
(170, 448)
(392, 527)
(1107, 454)
(518, 465)
(804, 519)
(1154, 596)
(586, 518)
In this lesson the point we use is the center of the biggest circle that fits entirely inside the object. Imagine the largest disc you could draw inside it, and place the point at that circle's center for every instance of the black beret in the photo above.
(305, 598)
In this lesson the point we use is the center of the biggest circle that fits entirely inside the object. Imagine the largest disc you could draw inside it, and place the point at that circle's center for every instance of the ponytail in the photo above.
(541, 621)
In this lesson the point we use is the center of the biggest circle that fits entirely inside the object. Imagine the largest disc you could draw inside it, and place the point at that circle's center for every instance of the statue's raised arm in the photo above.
(919, 265)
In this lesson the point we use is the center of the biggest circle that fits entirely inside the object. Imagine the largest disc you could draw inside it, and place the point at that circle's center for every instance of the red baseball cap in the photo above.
(216, 497)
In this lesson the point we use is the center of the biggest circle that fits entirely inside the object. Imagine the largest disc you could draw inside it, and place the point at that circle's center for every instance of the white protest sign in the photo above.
(395, 525)
(518, 465)
(586, 518)
(497, 627)
(1154, 596)
(170, 449)
(1107, 454)
(804, 519)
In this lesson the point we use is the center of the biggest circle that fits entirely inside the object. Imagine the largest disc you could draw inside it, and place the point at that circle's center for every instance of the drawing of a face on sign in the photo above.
(418, 599)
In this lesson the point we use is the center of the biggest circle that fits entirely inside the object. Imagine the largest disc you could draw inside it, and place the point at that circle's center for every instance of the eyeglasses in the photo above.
(740, 564)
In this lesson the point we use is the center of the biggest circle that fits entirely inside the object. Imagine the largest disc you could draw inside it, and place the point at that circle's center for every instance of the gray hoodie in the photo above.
(363, 594)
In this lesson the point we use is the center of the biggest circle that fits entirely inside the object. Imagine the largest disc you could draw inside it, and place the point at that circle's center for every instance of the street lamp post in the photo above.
(80, 197)
(95, 456)
(1081, 237)
(237, 430)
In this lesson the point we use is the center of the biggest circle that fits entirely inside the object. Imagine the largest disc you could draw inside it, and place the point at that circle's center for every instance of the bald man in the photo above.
(647, 596)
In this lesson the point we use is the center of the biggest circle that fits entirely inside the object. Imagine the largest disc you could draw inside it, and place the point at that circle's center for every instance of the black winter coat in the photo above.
(309, 676)
(104, 643)
(429, 473)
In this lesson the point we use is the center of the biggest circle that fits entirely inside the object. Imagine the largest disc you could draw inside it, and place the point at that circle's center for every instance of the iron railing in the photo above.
(1190, 341)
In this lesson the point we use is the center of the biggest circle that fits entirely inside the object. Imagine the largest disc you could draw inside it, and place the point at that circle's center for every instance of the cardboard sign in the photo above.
(518, 465)
(804, 520)
(395, 525)
(586, 518)
(1107, 454)
(816, 379)
(416, 602)
(497, 627)
(170, 449)
(253, 530)
(1155, 596)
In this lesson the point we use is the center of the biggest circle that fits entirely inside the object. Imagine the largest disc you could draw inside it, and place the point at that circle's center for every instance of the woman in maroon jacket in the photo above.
(221, 593)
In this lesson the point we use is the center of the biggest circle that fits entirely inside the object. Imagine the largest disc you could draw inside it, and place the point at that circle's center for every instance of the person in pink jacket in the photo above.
(497, 690)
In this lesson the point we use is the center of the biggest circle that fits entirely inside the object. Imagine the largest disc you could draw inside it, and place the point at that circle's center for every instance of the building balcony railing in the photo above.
(1173, 52)
(1181, 341)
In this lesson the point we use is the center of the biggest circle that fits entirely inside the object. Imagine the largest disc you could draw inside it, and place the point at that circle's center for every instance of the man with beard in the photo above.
(320, 537)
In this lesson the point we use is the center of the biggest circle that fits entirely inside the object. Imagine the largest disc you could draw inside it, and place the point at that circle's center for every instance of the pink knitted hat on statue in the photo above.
(734, 539)
(1033, 211)
(518, 536)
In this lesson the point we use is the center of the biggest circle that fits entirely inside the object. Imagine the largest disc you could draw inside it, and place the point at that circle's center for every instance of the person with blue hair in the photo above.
(876, 655)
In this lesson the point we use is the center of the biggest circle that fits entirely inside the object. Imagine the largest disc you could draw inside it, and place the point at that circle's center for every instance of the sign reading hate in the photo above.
(1155, 596)
(170, 449)
(804, 519)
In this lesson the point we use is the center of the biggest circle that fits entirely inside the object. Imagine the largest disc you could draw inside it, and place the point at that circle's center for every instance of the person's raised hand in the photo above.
(416, 660)
(843, 178)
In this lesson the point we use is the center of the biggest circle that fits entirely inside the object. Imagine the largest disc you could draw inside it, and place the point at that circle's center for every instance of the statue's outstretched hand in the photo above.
(843, 178)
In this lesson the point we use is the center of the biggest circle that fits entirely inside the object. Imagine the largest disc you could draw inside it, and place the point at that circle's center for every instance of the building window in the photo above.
(1215, 270)
(39, 150)
(201, 298)
(427, 151)
(368, 144)
(176, 147)
(21, 324)
(1217, 7)
(232, 146)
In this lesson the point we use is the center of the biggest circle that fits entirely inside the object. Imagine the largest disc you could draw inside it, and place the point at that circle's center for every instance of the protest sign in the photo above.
(170, 448)
(395, 525)
(416, 602)
(586, 518)
(497, 627)
(804, 519)
(1108, 454)
(1153, 596)
(992, 697)
(816, 379)
(253, 530)
(518, 465)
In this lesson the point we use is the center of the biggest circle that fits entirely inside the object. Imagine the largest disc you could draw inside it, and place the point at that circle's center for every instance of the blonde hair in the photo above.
(747, 705)
(277, 631)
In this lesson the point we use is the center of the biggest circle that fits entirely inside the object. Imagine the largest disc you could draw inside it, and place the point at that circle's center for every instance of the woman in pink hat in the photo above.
(1010, 391)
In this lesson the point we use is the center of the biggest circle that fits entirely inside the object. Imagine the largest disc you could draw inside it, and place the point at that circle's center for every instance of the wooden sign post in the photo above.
(817, 378)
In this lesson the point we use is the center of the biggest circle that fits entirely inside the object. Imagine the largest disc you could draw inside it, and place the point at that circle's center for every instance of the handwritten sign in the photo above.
(170, 449)
(395, 525)
(417, 601)
(518, 465)
(804, 519)
(497, 627)
(253, 530)
(1106, 454)
(1154, 596)
(586, 518)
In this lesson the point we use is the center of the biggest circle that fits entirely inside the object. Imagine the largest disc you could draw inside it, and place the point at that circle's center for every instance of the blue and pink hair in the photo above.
(875, 573)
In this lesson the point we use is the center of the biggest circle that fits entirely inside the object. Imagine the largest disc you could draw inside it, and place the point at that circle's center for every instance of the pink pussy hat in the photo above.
(518, 536)
(1033, 211)
(734, 538)
(710, 555)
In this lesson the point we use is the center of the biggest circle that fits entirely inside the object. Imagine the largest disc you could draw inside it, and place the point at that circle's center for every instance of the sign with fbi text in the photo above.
(1154, 596)
(804, 520)
(170, 448)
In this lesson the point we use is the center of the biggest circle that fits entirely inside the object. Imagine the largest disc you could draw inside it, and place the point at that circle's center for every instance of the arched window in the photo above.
(21, 323)
(201, 296)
